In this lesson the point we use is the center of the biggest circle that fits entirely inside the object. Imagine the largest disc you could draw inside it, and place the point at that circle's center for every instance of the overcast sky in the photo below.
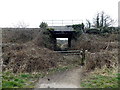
(33, 12)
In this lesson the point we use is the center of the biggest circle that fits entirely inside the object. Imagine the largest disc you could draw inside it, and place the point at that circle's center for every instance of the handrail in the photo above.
(62, 22)
(70, 51)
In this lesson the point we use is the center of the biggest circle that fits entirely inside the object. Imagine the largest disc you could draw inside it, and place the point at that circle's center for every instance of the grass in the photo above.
(0, 80)
(11, 80)
(27, 80)
(101, 81)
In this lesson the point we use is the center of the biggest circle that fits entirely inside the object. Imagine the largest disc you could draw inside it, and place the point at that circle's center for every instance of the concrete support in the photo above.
(69, 42)
(55, 43)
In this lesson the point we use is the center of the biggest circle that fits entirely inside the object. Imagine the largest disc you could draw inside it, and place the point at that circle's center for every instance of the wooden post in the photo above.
(83, 57)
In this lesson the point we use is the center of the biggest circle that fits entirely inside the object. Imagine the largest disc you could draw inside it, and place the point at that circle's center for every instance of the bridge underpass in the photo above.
(62, 34)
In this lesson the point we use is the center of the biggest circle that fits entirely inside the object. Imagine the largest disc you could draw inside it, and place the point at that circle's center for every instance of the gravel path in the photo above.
(67, 79)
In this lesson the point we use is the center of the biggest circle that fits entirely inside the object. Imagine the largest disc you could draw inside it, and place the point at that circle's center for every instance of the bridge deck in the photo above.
(61, 28)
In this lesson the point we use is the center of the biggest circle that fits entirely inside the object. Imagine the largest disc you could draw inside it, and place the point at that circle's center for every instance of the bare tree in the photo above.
(96, 21)
(88, 23)
(102, 20)
(21, 24)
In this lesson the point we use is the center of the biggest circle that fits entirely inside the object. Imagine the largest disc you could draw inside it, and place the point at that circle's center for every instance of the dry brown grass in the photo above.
(19, 35)
(30, 59)
(101, 50)
(96, 43)
(30, 55)
(100, 59)
(26, 51)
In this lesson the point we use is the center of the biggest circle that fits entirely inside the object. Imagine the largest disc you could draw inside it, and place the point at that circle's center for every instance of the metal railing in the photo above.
(70, 52)
(62, 22)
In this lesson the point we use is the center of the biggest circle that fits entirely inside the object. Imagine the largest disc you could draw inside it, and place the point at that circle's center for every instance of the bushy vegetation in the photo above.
(44, 39)
(101, 50)
(43, 25)
(95, 43)
(103, 30)
(29, 58)
(93, 31)
(19, 35)
(50, 29)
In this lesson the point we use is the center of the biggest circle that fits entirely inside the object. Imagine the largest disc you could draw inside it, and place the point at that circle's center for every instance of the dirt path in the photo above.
(67, 79)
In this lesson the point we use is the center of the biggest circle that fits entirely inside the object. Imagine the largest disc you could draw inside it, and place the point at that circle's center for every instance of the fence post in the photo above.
(83, 53)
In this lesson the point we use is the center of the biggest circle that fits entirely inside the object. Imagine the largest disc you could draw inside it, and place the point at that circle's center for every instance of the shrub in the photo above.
(43, 25)
(93, 31)
(50, 29)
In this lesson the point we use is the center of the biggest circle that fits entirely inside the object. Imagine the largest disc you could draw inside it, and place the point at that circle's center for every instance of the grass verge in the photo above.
(102, 78)
(100, 81)
(21, 80)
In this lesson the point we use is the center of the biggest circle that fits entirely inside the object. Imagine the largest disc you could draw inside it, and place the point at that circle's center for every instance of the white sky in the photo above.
(62, 38)
(33, 12)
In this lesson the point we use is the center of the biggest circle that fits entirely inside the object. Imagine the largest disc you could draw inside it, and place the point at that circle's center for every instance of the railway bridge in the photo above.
(62, 29)
(62, 32)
